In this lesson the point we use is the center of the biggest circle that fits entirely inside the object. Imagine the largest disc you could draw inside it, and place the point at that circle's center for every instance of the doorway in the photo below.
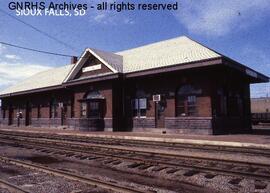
(95, 114)
(95, 108)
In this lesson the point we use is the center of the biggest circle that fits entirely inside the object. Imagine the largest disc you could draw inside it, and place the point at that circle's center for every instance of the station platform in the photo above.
(235, 140)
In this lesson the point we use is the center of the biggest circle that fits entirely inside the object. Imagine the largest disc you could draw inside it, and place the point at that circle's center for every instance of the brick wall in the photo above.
(166, 84)
(148, 122)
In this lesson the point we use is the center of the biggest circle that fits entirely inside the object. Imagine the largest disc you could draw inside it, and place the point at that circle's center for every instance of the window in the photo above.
(139, 107)
(186, 101)
(186, 106)
(53, 109)
(191, 105)
(83, 109)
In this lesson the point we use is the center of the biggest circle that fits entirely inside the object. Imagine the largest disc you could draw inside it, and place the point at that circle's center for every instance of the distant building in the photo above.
(260, 105)
(177, 86)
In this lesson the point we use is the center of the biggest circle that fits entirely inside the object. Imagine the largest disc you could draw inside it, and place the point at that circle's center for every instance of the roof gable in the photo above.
(111, 61)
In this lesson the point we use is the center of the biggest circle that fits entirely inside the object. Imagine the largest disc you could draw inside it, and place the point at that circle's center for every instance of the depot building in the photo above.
(173, 86)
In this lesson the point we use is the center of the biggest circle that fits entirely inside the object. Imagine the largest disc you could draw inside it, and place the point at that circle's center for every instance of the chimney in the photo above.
(74, 59)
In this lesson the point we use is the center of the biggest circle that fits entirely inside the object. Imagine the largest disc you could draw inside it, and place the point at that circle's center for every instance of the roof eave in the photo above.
(176, 67)
(255, 77)
(44, 89)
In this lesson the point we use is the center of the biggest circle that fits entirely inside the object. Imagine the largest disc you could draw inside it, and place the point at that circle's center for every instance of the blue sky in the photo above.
(236, 28)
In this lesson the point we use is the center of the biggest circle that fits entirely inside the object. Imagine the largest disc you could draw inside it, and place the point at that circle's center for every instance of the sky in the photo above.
(239, 29)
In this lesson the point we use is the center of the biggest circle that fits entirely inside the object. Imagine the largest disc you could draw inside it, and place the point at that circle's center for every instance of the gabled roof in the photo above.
(113, 61)
(177, 52)
(166, 53)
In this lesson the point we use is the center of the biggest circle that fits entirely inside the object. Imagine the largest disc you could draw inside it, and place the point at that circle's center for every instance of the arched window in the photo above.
(186, 100)
(93, 95)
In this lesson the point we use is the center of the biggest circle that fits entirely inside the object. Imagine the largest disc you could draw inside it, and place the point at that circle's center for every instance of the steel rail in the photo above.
(158, 162)
(71, 176)
(142, 151)
(175, 146)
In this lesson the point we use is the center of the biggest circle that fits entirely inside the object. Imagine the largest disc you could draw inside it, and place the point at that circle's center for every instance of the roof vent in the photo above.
(74, 59)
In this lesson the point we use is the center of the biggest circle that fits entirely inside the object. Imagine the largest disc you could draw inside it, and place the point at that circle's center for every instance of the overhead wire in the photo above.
(35, 50)
(38, 30)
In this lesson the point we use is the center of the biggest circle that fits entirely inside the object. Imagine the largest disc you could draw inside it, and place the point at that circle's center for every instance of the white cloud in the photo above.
(10, 73)
(128, 21)
(218, 18)
(100, 17)
(111, 18)
(12, 57)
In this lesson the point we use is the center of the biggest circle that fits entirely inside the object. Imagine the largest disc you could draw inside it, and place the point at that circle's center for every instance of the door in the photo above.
(96, 113)
(28, 114)
(159, 115)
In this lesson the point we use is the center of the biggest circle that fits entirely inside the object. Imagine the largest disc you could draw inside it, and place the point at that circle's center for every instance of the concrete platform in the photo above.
(239, 140)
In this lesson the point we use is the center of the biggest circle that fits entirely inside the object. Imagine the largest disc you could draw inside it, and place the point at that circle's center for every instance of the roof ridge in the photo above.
(205, 46)
(99, 50)
(154, 43)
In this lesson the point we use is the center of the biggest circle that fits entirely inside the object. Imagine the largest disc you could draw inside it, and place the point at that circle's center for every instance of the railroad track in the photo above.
(12, 187)
(138, 143)
(150, 158)
(70, 176)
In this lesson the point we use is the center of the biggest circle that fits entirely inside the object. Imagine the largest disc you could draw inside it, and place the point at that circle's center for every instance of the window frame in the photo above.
(84, 109)
(186, 104)
(138, 110)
